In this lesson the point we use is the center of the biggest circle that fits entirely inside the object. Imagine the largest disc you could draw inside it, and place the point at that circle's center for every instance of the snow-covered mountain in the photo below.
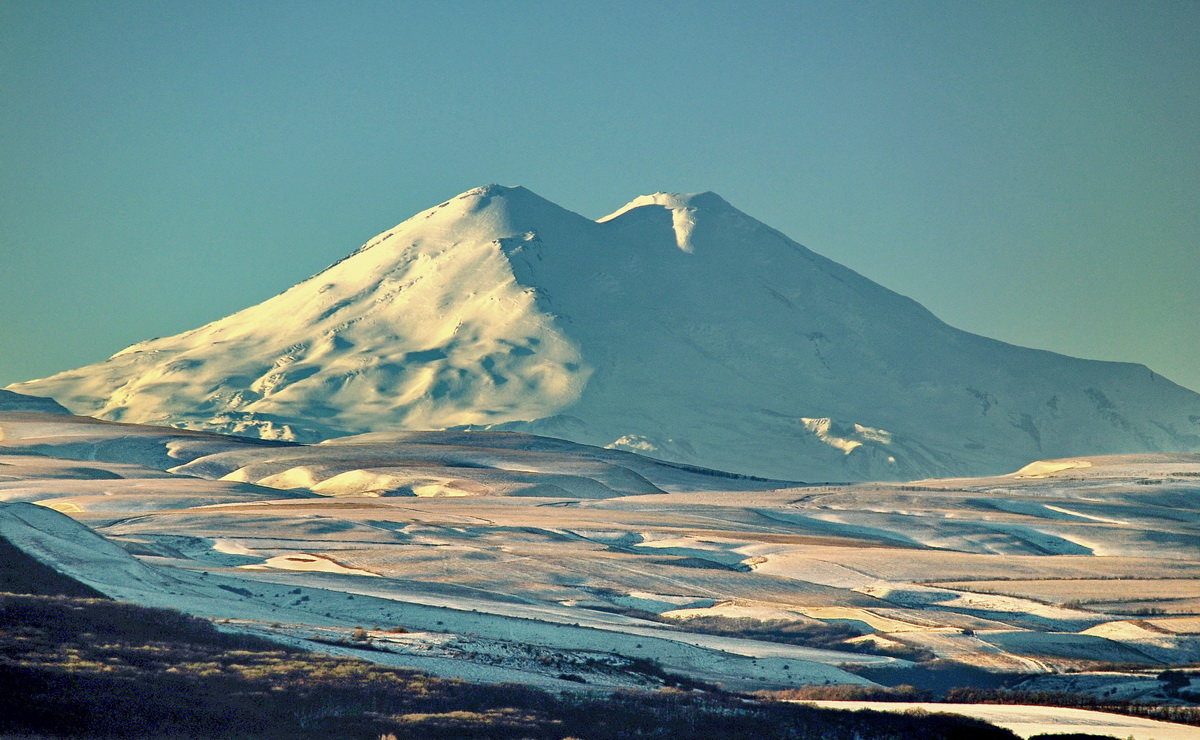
(677, 327)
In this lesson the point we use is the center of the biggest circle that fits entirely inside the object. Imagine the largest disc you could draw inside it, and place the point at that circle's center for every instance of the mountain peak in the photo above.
(505, 208)
(741, 350)
(706, 201)
(511, 195)
(685, 208)
(495, 190)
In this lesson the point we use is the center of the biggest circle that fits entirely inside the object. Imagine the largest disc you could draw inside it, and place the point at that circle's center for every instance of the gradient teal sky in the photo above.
(1027, 170)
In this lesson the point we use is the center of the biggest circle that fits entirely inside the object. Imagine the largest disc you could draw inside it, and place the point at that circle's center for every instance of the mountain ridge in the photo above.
(677, 326)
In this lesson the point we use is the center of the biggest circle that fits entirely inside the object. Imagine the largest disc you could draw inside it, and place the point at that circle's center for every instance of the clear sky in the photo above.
(1027, 170)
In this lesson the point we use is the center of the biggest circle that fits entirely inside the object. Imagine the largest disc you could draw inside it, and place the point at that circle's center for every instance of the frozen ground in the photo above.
(499, 556)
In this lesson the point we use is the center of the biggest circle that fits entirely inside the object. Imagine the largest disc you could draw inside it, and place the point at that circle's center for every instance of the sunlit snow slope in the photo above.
(677, 327)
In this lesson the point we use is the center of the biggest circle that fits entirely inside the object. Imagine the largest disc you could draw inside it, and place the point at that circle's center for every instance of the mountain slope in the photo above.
(678, 327)
(10, 401)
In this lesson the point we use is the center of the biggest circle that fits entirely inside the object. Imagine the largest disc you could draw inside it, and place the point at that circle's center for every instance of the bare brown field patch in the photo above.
(1088, 591)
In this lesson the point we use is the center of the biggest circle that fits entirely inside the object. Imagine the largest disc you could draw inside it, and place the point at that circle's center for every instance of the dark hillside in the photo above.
(90, 667)
(22, 574)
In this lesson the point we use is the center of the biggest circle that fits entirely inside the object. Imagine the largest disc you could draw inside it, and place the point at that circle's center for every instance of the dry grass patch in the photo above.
(1085, 590)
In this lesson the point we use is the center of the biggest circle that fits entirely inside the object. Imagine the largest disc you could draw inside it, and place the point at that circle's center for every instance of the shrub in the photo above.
(82, 667)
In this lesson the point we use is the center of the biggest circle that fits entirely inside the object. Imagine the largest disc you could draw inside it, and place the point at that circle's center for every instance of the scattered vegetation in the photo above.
(849, 692)
(938, 676)
(92, 667)
(1173, 680)
(1113, 606)
(831, 636)
(1189, 715)
(811, 634)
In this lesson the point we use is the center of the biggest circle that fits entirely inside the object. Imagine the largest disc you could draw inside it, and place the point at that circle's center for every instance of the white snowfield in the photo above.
(1028, 721)
(543, 558)
(677, 327)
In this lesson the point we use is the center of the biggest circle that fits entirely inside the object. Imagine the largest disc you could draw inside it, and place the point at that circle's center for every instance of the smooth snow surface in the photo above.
(677, 327)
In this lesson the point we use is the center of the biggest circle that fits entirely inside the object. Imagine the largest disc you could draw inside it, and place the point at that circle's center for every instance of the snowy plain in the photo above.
(505, 557)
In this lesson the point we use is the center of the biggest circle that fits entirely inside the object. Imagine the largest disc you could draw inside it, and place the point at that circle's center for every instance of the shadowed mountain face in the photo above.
(10, 401)
(678, 327)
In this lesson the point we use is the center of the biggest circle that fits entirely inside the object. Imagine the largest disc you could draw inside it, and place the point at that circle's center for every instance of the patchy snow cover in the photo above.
(305, 561)
(460, 464)
(677, 326)
(86, 438)
(1028, 721)
(1048, 468)
(74, 550)
(468, 638)
(530, 587)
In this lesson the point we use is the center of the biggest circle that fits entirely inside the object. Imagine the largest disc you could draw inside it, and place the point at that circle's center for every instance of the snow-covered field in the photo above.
(1028, 721)
(504, 557)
